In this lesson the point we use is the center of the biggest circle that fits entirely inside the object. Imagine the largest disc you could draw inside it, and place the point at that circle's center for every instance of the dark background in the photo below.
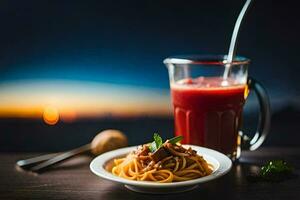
(124, 42)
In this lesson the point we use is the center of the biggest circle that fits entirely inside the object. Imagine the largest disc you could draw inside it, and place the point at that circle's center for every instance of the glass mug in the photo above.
(208, 106)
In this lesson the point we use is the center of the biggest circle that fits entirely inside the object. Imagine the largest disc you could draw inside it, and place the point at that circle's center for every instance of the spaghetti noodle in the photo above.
(168, 163)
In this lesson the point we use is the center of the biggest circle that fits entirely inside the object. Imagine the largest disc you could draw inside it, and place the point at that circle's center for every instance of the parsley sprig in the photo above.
(158, 142)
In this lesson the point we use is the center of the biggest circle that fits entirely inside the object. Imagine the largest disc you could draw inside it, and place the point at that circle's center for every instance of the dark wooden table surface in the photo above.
(73, 180)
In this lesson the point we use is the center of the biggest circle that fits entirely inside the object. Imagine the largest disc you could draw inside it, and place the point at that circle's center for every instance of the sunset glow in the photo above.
(70, 100)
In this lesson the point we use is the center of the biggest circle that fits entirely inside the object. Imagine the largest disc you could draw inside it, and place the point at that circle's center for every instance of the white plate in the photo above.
(221, 164)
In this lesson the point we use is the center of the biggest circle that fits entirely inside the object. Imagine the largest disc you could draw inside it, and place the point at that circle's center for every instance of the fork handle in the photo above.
(26, 163)
(61, 157)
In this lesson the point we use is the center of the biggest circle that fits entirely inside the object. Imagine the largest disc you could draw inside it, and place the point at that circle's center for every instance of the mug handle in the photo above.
(264, 120)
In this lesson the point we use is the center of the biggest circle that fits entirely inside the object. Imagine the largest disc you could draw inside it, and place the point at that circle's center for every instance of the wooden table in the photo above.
(73, 180)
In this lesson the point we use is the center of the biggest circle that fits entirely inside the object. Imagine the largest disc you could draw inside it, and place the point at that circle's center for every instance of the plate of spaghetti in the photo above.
(161, 167)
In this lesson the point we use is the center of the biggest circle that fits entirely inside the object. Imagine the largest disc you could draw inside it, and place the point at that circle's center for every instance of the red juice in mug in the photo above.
(208, 112)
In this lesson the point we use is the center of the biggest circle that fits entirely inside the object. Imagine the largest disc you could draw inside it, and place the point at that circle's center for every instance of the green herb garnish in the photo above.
(152, 147)
(158, 142)
(275, 170)
(176, 139)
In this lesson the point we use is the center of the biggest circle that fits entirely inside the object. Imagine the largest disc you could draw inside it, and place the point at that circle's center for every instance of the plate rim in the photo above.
(223, 168)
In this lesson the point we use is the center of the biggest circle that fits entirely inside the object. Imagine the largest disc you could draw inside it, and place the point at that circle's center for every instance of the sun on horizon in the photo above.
(61, 100)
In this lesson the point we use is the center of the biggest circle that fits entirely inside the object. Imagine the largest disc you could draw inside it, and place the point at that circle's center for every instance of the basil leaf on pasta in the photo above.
(158, 140)
(152, 147)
